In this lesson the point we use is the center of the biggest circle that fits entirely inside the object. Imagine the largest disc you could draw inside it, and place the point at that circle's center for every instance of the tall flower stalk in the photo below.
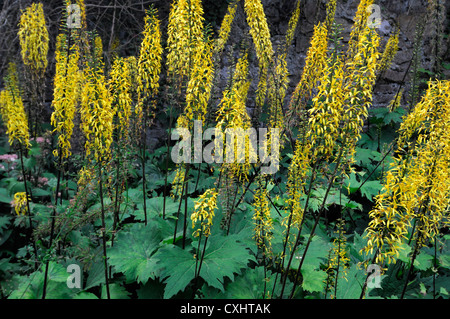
(34, 43)
(97, 124)
(148, 69)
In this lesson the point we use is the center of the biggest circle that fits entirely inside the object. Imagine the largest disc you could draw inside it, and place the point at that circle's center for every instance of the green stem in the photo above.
(105, 258)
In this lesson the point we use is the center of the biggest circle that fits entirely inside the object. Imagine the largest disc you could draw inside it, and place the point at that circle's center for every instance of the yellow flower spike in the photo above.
(315, 63)
(361, 17)
(327, 110)
(97, 115)
(120, 84)
(199, 87)
(13, 111)
(185, 31)
(417, 186)
(339, 259)
(204, 209)
(34, 38)
(295, 184)
(389, 52)
(232, 114)
(20, 203)
(225, 27)
(259, 30)
(149, 62)
(262, 219)
(66, 95)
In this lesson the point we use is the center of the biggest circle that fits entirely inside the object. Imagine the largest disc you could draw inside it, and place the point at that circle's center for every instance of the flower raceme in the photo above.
(149, 62)
(259, 30)
(262, 220)
(33, 36)
(13, 111)
(66, 94)
(185, 32)
(316, 60)
(20, 203)
(120, 84)
(97, 114)
(204, 212)
(225, 28)
(417, 186)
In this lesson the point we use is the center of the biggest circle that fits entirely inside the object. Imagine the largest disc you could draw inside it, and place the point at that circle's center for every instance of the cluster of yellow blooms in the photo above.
(96, 114)
(12, 109)
(120, 83)
(66, 94)
(314, 65)
(34, 38)
(149, 63)
(225, 28)
(389, 52)
(295, 185)
(232, 114)
(204, 209)
(338, 259)
(20, 203)
(417, 186)
(259, 30)
(185, 32)
(200, 83)
(262, 220)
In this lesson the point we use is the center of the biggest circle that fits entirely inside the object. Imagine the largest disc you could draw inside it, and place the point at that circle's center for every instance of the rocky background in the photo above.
(123, 19)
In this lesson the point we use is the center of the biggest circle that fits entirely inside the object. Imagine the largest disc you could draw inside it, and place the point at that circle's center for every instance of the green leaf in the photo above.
(250, 285)
(313, 280)
(31, 287)
(96, 275)
(350, 287)
(116, 291)
(4, 196)
(224, 257)
(370, 189)
(133, 252)
(423, 261)
(178, 267)
(39, 192)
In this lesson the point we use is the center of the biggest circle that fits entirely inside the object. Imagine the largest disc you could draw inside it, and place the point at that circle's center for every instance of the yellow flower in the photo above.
(262, 219)
(66, 94)
(293, 21)
(225, 28)
(331, 11)
(295, 185)
(204, 209)
(259, 30)
(20, 203)
(149, 63)
(33, 36)
(338, 259)
(232, 114)
(97, 114)
(361, 18)
(315, 63)
(326, 111)
(13, 111)
(185, 32)
(120, 86)
(417, 186)
(389, 52)
(199, 87)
